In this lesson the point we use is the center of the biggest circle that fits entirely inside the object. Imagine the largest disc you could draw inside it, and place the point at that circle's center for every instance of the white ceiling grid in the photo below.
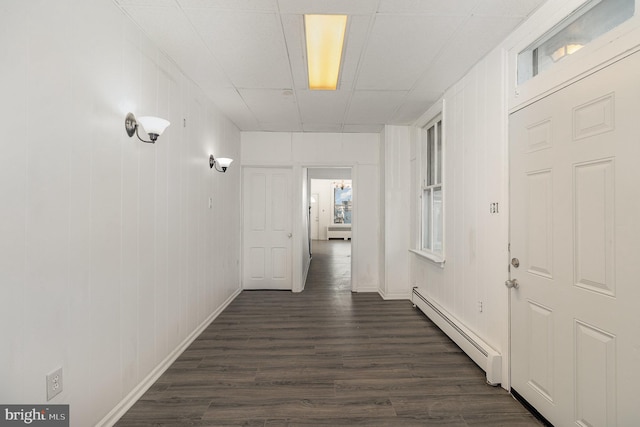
(399, 58)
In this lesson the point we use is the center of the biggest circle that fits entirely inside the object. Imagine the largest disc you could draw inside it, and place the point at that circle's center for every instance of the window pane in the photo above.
(342, 205)
(592, 20)
(431, 153)
(426, 219)
(424, 157)
(439, 151)
(437, 220)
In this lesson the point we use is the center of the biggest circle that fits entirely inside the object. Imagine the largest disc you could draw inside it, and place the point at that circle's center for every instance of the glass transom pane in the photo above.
(590, 21)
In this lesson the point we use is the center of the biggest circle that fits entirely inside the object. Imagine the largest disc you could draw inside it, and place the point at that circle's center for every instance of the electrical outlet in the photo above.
(54, 383)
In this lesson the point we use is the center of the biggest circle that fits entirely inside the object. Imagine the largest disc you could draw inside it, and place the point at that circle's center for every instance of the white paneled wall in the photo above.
(358, 151)
(475, 175)
(475, 122)
(396, 192)
(110, 258)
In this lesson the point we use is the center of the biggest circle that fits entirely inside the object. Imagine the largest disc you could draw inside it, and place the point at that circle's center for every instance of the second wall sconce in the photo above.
(221, 163)
(154, 126)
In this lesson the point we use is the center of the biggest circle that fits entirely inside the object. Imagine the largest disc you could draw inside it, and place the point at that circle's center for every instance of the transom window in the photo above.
(585, 24)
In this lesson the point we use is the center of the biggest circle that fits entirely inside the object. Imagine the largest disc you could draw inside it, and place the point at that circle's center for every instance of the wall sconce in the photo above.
(154, 126)
(221, 163)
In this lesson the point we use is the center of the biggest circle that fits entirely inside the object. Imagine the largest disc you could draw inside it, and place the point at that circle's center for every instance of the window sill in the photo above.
(436, 259)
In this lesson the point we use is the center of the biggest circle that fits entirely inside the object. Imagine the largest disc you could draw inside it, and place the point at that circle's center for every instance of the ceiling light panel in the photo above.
(325, 41)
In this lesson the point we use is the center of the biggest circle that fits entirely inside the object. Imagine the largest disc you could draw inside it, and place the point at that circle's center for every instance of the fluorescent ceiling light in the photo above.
(325, 38)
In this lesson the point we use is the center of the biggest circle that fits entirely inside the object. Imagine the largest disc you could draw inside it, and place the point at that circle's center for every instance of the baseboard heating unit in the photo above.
(339, 231)
(477, 349)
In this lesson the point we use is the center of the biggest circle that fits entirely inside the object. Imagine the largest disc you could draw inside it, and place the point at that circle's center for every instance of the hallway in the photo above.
(327, 357)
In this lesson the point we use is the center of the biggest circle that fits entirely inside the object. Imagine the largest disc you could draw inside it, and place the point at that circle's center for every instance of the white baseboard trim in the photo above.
(304, 276)
(367, 289)
(395, 295)
(130, 399)
(484, 355)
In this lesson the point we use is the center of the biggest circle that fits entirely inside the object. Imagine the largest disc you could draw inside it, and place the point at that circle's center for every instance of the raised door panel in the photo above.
(573, 191)
(267, 228)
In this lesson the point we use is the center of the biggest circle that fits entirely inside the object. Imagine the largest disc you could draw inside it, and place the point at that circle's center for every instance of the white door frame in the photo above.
(299, 199)
(605, 155)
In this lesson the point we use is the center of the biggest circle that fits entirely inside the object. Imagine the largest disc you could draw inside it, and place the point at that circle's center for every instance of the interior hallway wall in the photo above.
(470, 284)
(360, 151)
(110, 257)
(396, 204)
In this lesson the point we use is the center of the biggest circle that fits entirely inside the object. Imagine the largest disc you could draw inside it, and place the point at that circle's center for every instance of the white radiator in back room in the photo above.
(475, 347)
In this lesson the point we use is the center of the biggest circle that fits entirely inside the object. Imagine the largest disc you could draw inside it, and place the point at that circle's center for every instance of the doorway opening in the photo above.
(330, 221)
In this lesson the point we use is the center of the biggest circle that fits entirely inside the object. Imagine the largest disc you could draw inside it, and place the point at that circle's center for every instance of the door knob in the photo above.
(513, 283)
(289, 235)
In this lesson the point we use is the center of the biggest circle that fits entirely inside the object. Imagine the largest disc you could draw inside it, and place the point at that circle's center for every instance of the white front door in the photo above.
(575, 230)
(267, 228)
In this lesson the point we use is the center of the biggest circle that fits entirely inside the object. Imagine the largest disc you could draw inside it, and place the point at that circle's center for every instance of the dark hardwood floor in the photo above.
(324, 357)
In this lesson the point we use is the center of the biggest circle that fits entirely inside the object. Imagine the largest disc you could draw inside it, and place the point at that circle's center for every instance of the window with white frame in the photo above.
(342, 202)
(432, 190)
(591, 20)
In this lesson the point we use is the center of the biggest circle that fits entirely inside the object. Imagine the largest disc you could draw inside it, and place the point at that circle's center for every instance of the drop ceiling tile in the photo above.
(355, 42)
(322, 106)
(249, 55)
(362, 128)
(373, 107)
(208, 73)
(481, 35)
(272, 106)
(281, 127)
(169, 29)
(264, 5)
(229, 101)
(520, 8)
(294, 37)
(249, 46)
(320, 127)
(429, 7)
(414, 105)
(401, 48)
(348, 7)
(154, 3)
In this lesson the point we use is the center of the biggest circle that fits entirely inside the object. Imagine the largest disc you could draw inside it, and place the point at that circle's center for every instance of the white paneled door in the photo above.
(575, 239)
(314, 216)
(267, 228)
